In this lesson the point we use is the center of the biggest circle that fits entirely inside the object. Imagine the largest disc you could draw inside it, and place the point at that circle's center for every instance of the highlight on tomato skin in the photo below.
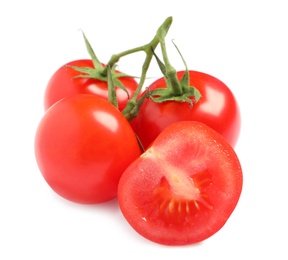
(184, 188)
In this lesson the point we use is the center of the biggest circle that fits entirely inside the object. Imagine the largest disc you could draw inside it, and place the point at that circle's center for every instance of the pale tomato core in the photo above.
(178, 192)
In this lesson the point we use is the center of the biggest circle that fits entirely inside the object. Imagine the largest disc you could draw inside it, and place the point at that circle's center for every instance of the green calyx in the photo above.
(100, 71)
(176, 90)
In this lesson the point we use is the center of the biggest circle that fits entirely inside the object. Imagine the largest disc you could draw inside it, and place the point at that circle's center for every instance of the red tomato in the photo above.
(63, 84)
(183, 189)
(82, 146)
(217, 108)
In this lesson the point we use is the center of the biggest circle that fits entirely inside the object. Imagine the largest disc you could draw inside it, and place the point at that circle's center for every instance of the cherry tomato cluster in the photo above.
(164, 151)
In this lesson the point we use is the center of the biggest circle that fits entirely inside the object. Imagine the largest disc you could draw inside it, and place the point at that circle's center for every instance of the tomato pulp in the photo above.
(82, 146)
(184, 188)
(217, 108)
(64, 83)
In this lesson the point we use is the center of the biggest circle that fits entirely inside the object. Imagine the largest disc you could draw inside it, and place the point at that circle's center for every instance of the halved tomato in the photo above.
(183, 189)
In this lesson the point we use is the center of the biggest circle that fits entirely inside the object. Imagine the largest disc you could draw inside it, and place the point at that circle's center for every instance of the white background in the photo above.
(243, 43)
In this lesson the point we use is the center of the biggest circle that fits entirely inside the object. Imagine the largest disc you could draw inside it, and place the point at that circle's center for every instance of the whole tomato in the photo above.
(82, 146)
(217, 108)
(184, 187)
(65, 82)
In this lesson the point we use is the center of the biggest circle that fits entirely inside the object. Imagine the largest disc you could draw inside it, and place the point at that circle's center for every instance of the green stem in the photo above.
(112, 97)
(133, 100)
(172, 80)
(136, 106)
(148, 49)
(116, 57)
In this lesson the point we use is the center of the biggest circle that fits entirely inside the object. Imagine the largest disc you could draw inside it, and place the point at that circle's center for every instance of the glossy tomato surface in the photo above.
(82, 146)
(217, 107)
(184, 188)
(64, 84)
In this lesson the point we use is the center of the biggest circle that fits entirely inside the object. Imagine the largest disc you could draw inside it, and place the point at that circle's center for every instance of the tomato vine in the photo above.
(101, 72)
(177, 90)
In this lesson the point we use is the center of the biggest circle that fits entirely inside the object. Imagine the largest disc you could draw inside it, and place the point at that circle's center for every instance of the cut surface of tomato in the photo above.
(184, 188)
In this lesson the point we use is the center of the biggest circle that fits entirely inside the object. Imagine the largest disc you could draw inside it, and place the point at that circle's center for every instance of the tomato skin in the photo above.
(217, 108)
(63, 84)
(82, 146)
(183, 189)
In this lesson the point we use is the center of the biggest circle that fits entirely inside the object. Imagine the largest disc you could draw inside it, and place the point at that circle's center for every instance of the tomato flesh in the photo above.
(82, 146)
(183, 189)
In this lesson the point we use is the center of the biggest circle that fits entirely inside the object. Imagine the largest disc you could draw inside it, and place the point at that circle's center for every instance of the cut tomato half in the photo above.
(183, 189)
